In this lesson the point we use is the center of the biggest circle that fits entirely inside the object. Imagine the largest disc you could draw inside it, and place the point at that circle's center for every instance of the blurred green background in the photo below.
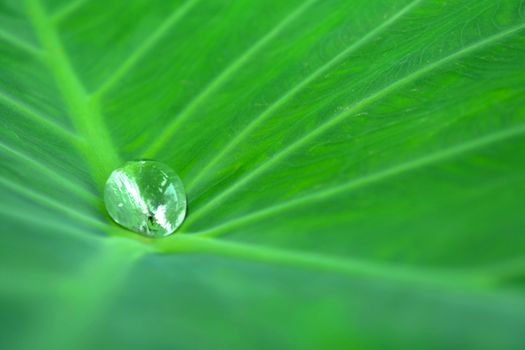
(354, 169)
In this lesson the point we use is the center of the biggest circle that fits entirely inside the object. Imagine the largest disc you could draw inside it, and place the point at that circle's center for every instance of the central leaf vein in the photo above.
(84, 112)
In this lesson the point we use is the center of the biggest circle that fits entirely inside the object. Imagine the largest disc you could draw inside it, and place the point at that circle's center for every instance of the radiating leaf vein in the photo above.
(50, 203)
(412, 165)
(216, 83)
(52, 174)
(288, 95)
(66, 10)
(39, 118)
(19, 43)
(145, 48)
(331, 122)
(348, 266)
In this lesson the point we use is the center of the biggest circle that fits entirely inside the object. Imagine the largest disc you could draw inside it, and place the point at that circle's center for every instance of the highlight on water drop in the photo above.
(147, 197)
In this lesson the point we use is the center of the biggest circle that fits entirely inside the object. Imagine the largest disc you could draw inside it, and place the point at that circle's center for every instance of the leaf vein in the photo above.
(372, 178)
(147, 45)
(19, 43)
(39, 118)
(288, 95)
(49, 202)
(67, 10)
(52, 174)
(83, 111)
(306, 260)
(217, 82)
(340, 117)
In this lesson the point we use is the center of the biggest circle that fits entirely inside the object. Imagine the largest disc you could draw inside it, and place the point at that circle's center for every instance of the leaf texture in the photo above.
(354, 171)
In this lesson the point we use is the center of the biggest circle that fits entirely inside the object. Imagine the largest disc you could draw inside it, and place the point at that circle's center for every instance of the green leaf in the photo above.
(354, 170)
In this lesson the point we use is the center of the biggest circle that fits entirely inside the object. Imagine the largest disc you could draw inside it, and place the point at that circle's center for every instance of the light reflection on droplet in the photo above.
(146, 197)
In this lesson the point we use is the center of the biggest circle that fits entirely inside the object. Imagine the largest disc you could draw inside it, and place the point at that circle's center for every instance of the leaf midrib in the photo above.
(83, 110)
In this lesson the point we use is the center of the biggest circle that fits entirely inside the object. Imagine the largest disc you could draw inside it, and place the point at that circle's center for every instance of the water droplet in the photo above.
(146, 197)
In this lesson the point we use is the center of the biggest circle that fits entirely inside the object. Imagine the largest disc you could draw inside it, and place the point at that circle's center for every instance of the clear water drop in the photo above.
(147, 197)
